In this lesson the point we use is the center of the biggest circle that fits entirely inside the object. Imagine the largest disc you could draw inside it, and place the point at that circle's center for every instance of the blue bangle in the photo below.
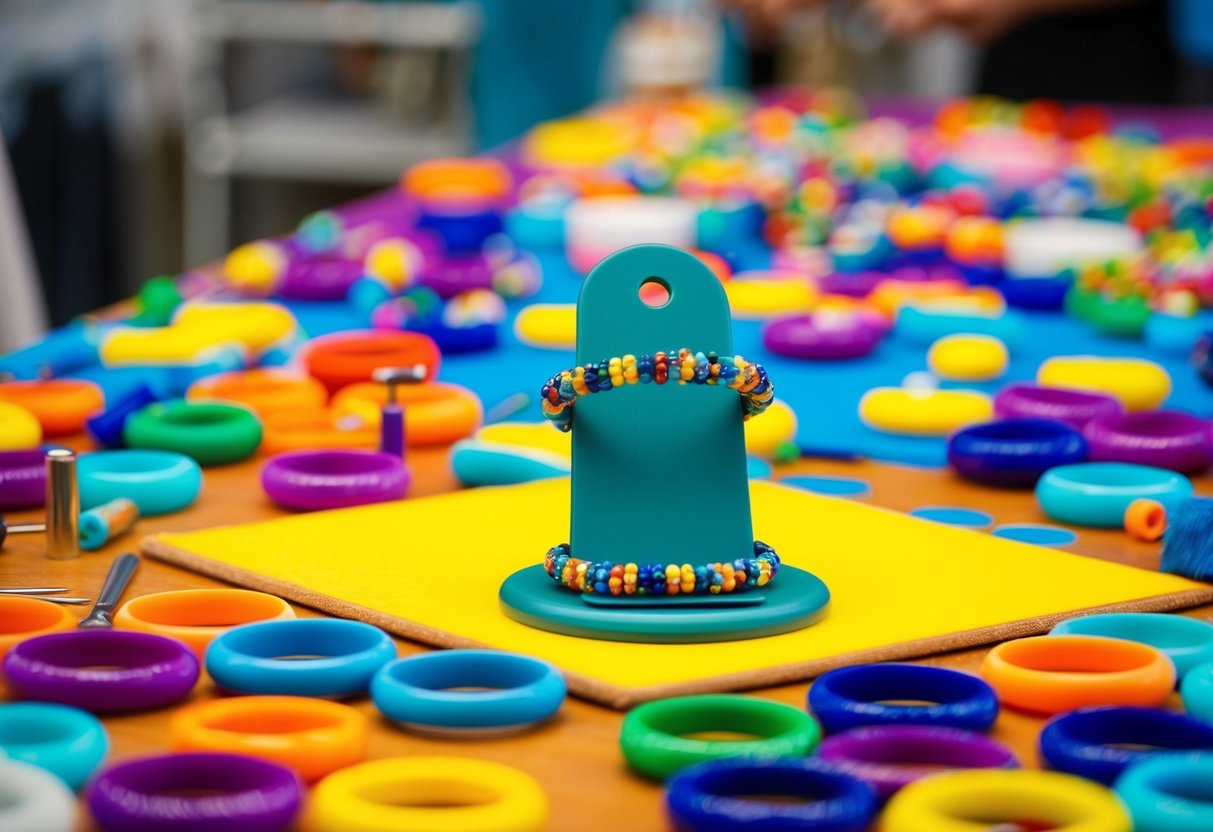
(253, 658)
(462, 232)
(1169, 793)
(159, 482)
(423, 690)
(1014, 453)
(719, 796)
(1098, 493)
(849, 698)
(1197, 692)
(925, 327)
(1035, 292)
(1187, 642)
(107, 427)
(67, 742)
(1090, 742)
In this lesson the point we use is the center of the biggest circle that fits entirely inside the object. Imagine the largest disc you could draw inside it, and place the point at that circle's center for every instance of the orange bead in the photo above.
(1146, 520)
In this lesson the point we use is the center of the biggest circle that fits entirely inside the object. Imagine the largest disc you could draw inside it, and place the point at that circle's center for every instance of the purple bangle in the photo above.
(195, 793)
(141, 671)
(310, 480)
(828, 336)
(1074, 407)
(1163, 438)
(460, 274)
(889, 757)
(22, 479)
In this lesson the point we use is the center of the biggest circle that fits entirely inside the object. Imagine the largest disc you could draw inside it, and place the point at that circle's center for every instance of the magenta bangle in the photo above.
(823, 336)
(1074, 407)
(141, 671)
(1163, 438)
(22, 479)
(888, 757)
(195, 793)
(310, 480)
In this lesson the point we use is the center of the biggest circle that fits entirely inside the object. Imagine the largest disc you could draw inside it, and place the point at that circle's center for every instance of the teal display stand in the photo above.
(659, 471)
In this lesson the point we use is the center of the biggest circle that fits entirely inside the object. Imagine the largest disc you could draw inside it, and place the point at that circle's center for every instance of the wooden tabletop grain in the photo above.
(576, 756)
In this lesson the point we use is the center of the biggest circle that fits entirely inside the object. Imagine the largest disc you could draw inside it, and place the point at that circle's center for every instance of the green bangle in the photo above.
(655, 742)
(213, 433)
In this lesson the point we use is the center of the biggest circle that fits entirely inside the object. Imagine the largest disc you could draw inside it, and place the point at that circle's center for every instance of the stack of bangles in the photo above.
(683, 366)
(661, 578)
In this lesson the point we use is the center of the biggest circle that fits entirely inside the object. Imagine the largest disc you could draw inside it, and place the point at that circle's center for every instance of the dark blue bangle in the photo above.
(252, 658)
(107, 427)
(424, 690)
(1035, 292)
(718, 796)
(850, 697)
(462, 232)
(1014, 453)
(1090, 742)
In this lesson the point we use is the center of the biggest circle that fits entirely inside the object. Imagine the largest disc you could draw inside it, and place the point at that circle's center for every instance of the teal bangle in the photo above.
(159, 482)
(1169, 793)
(213, 433)
(654, 735)
(1098, 493)
(1197, 692)
(1187, 642)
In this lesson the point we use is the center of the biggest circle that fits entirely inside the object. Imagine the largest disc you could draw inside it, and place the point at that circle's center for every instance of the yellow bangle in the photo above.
(1138, 384)
(314, 737)
(197, 616)
(912, 412)
(768, 294)
(429, 794)
(19, 429)
(951, 802)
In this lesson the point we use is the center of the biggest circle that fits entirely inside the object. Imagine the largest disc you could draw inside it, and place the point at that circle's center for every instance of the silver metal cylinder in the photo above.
(62, 506)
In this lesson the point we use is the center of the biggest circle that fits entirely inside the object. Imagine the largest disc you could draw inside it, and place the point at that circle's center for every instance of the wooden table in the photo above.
(576, 757)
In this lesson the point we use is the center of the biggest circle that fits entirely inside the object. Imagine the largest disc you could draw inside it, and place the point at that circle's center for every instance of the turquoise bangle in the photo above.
(213, 433)
(1098, 493)
(1187, 642)
(1197, 692)
(67, 742)
(1169, 793)
(158, 482)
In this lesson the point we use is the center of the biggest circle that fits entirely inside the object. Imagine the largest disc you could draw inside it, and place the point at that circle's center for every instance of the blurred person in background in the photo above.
(1117, 51)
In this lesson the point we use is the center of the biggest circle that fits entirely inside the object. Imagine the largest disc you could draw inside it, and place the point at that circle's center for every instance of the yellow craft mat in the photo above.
(429, 570)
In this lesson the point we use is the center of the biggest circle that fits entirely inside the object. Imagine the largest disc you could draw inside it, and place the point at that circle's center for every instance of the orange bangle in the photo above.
(314, 737)
(350, 357)
(305, 430)
(22, 618)
(61, 405)
(196, 616)
(262, 390)
(458, 180)
(1051, 674)
(435, 413)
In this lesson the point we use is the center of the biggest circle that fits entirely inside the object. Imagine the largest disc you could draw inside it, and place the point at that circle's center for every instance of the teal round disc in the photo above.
(794, 600)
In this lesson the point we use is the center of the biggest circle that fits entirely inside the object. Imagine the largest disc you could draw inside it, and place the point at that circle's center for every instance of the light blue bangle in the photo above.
(421, 691)
(159, 482)
(1197, 692)
(1169, 793)
(1098, 493)
(1187, 642)
(67, 742)
(255, 658)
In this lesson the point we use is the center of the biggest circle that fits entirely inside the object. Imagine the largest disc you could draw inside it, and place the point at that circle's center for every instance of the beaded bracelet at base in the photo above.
(661, 578)
(684, 366)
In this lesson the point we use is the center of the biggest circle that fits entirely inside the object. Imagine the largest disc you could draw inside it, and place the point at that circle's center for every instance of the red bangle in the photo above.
(350, 357)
